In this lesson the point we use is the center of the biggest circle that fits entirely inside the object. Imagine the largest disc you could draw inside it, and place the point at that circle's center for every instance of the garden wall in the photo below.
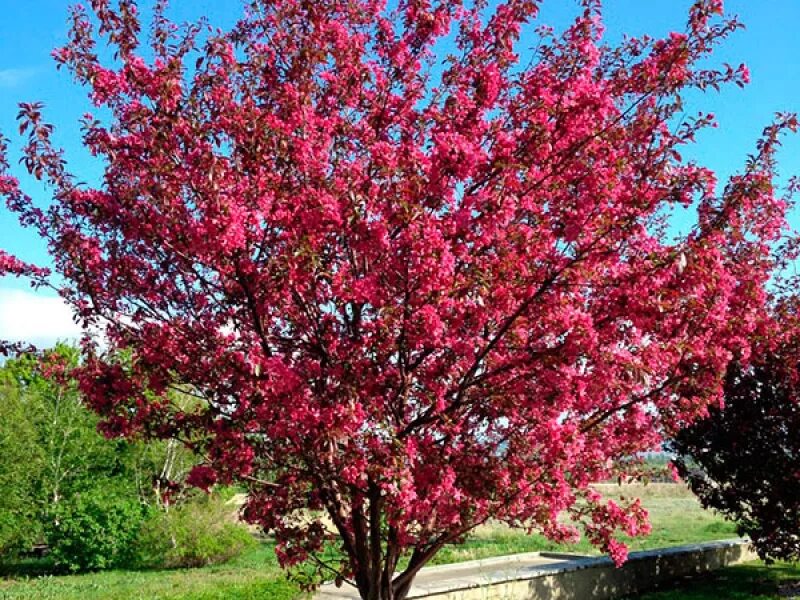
(548, 576)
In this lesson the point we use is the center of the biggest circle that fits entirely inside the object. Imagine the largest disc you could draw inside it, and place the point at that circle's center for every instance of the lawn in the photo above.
(676, 516)
(255, 575)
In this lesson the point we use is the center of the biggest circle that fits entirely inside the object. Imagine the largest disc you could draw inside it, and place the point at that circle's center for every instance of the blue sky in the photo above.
(30, 29)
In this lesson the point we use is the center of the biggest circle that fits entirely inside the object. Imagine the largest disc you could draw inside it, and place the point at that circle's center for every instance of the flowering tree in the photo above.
(407, 295)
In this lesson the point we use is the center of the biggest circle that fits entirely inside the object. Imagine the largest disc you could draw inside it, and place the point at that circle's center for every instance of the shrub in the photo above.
(20, 465)
(200, 532)
(744, 460)
(94, 529)
(54, 462)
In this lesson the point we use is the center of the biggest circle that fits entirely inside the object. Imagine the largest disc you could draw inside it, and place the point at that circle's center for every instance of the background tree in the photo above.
(63, 470)
(409, 294)
(97, 503)
(743, 458)
(72, 453)
(19, 470)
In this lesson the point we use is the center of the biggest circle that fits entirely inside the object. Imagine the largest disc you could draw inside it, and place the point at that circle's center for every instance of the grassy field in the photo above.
(676, 516)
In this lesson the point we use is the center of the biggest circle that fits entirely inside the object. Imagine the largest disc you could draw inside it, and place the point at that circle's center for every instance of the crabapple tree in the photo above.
(415, 274)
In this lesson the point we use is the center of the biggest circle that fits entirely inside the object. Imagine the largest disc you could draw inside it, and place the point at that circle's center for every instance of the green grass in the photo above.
(254, 575)
(750, 581)
(676, 516)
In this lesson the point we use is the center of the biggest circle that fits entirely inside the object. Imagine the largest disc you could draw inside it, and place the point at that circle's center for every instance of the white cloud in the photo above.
(10, 78)
(27, 316)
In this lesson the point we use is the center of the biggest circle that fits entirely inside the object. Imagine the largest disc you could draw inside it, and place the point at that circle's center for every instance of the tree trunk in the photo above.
(373, 547)
(385, 585)
(385, 589)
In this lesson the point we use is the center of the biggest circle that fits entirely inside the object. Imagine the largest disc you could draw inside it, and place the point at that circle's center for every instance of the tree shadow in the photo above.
(652, 570)
(28, 566)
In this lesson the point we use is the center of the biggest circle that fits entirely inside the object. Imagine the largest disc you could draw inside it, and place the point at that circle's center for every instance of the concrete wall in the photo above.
(566, 577)
(599, 579)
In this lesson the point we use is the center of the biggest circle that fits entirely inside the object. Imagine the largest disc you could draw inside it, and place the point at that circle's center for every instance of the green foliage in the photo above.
(57, 472)
(96, 502)
(94, 529)
(20, 462)
(74, 456)
(197, 533)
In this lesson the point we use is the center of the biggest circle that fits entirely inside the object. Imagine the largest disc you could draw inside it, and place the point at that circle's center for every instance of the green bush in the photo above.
(20, 466)
(87, 497)
(94, 529)
(200, 532)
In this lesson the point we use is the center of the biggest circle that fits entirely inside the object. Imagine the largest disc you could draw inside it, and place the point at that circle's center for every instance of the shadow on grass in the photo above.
(751, 581)
(28, 567)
